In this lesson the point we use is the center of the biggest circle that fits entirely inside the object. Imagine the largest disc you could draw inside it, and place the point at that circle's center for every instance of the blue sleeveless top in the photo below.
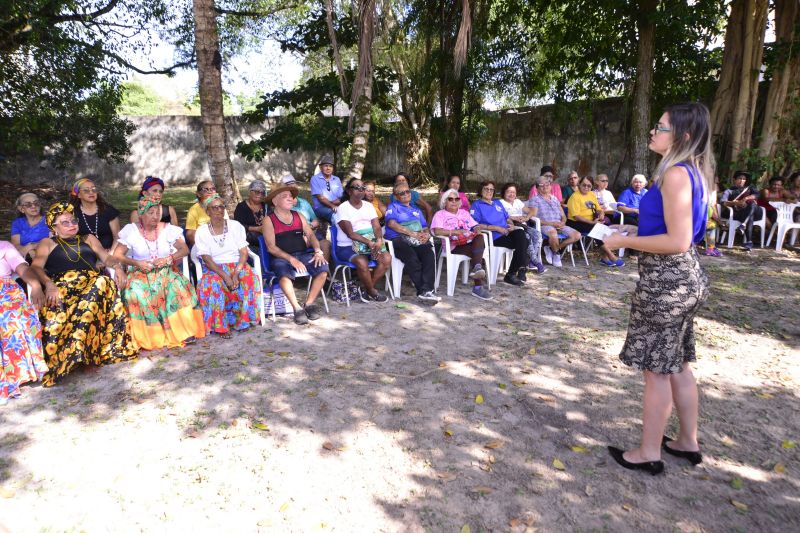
(651, 209)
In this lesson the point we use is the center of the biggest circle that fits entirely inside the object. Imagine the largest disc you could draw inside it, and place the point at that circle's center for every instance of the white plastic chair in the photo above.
(453, 262)
(784, 223)
(498, 256)
(615, 207)
(397, 269)
(198, 269)
(538, 224)
(733, 225)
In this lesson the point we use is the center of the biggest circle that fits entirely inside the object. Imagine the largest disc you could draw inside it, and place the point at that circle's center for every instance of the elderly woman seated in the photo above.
(161, 302)
(95, 216)
(84, 320)
(491, 214)
(406, 227)
(29, 228)
(229, 289)
(520, 216)
(584, 213)
(631, 197)
(463, 231)
(548, 210)
(416, 197)
(153, 190)
(21, 359)
(294, 248)
(197, 215)
(251, 211)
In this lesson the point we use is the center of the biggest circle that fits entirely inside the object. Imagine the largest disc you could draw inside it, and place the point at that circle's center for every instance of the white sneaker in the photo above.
(429, 296)
(557, 261)
(548, 255)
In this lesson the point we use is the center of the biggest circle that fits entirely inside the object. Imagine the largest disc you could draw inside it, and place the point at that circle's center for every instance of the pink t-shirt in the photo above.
(444, 219)
(10, 259)
(556, 191)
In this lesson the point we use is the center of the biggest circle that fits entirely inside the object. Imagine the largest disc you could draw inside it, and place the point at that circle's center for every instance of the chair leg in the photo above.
(771, 233)
(451, 276)
(438, 278)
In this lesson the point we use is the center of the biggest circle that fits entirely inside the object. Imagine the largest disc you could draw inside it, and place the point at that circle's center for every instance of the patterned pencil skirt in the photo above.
(671, 289)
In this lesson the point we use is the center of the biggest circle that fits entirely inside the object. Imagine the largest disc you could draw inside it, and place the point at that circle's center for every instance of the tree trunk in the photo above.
(361, 105)
(786, 72)
(640, 123)
(209, 69)
(362, 120)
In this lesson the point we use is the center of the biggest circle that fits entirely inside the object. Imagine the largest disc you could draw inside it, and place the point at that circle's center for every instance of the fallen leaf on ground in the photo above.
(739, 505)
(448, 432)
(519, 382)
(501, 386)
(400, 306)
(779, 468)
(485, 467)
(788, 444)
(577, 448)
(628, 507)
(532, 351)
(493, 444)
(465, 529)
(261, 426)
(481, 489)
(491, 458)
(479, 399)
(588, 490)
(546, 398)
(284, 507)
(515, 522)
(284, 354)
(446, 476)
(327, 445)
(7, 493)
(558, 465)
(727, 441)
(737, 483)
(442, 364)
(764, 395)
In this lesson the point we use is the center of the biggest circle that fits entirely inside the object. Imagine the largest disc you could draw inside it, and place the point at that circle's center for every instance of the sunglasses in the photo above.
(67, 223)
(30, 204)
(358, 188)
(451, 199)
(208, 189)
(403, 193)
(90, 190)
(216, 207)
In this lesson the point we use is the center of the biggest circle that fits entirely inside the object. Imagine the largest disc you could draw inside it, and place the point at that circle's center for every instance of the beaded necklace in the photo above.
(153, 253)
(258, 214)
(220, 242)
(96, 222)
(77, 250)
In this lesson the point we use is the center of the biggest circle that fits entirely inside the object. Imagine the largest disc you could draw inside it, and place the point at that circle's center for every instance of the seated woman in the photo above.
(407, 229)
(605, 197)
(416, 198)
(457, 224)
(369, 196)
(570, 187)
(360, 238)
(21, 359)
(95, 216)
(774, 193)
(491, 214)
(29, 228)
(584, 212)
(521, 215)
(294, 248)
(161, 302)
(250, 213)
(197, 216)
(303, 207)
(153, 190)
(553, 221)
(229, 289)
(454, 182)
(84, 320)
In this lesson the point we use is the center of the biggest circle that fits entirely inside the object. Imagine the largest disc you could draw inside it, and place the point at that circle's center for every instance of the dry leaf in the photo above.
(284, 354)
(7, 493)
(516, 522)
(519, 382)
(485, 467)
(739, 505)
(491, 458)
(501, 386)
(577, 448)
(479, 399)
(493, 444)
(442, 364)
(261, 426)
(546, 398)
(628, 507)
(448, 432)
(342, 448)
(481, 489)
(588, 490)
(284, 507)
(737, 483)
(788, 444)
(727, 441)
(558, 465)
(764, 395)
(592, 276)
(779, 468)
(465, 529)
(327, 445)
(446, 476)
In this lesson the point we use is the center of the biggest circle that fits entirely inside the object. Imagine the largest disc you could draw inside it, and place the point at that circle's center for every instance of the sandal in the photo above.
(226, 335)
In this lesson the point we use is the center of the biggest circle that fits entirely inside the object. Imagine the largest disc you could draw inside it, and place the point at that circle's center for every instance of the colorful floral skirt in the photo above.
(163, 308)
(21, 357)
(89, 327)
(224, 310)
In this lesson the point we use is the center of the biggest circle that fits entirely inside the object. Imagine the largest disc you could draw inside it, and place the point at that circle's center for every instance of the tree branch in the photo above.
(82, 16)
(256, 14)
(335, 47)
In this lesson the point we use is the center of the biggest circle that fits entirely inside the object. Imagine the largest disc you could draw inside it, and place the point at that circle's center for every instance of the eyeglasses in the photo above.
(66, 223)
(403, 193)
(89, 189)
(548, 175)
(30, 204)
(358, 188)
(208, 189)
(451, 199)
(489, 189)
(603, 181)
(658, 128)
(216, 207)
(586, 185)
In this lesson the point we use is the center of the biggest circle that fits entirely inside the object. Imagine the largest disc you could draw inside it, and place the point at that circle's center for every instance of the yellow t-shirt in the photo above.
(576, 205)
(197, 216)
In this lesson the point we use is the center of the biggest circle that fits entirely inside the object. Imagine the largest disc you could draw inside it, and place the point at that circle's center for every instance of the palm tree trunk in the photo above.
(209, 70)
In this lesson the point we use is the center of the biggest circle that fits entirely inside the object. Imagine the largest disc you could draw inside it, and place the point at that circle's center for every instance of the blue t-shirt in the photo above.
(331, 189)
(651, 209)
(402, 214)
(304, 208)
(631, 199)
(27, 233)
(493, 214)
(414, 198)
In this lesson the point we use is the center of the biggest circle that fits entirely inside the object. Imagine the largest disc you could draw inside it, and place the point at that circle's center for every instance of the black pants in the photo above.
(420, 263)
(750, 212)
(517, 241)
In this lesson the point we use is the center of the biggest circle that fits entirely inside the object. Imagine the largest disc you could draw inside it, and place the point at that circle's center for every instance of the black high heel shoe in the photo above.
(652, 467)
(693, 457)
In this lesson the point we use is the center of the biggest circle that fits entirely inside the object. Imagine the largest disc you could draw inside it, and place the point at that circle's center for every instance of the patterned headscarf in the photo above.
(145, 204)
(55, 210)
(149, 181)
(76, 188)
(210, 199)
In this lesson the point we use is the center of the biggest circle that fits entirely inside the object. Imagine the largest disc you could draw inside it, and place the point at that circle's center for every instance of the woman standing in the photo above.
(161, 302)
(153, 190)
(21, 359)
(672, 286)
(84, 320)
(95, 216)
(228, 289)
(29, 228)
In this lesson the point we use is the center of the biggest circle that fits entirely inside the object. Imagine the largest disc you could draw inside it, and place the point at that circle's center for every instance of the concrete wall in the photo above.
(517, 143)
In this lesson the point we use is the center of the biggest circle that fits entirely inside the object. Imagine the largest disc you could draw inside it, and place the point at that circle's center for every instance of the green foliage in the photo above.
(140, 100)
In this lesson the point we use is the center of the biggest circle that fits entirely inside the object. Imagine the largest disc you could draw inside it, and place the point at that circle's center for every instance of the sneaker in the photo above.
(715, 252)
(541, 269)
(709, 252)
(429, 296)
(479, 291)
(478, 272)
(300, 318)
(747, 246)
(312, 312)
(522, 274)
(557, 261)
(548, 255)
(619, 263)
(378, 297)
(511, 279)
(607, 263)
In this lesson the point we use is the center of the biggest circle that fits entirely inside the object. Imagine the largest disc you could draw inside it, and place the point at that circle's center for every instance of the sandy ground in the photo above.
(467, 416)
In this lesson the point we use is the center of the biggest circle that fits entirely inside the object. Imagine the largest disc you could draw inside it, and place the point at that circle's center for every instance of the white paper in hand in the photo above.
(600, 232)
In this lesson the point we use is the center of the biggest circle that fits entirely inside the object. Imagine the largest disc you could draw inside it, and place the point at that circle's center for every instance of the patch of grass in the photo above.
(88, 395)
